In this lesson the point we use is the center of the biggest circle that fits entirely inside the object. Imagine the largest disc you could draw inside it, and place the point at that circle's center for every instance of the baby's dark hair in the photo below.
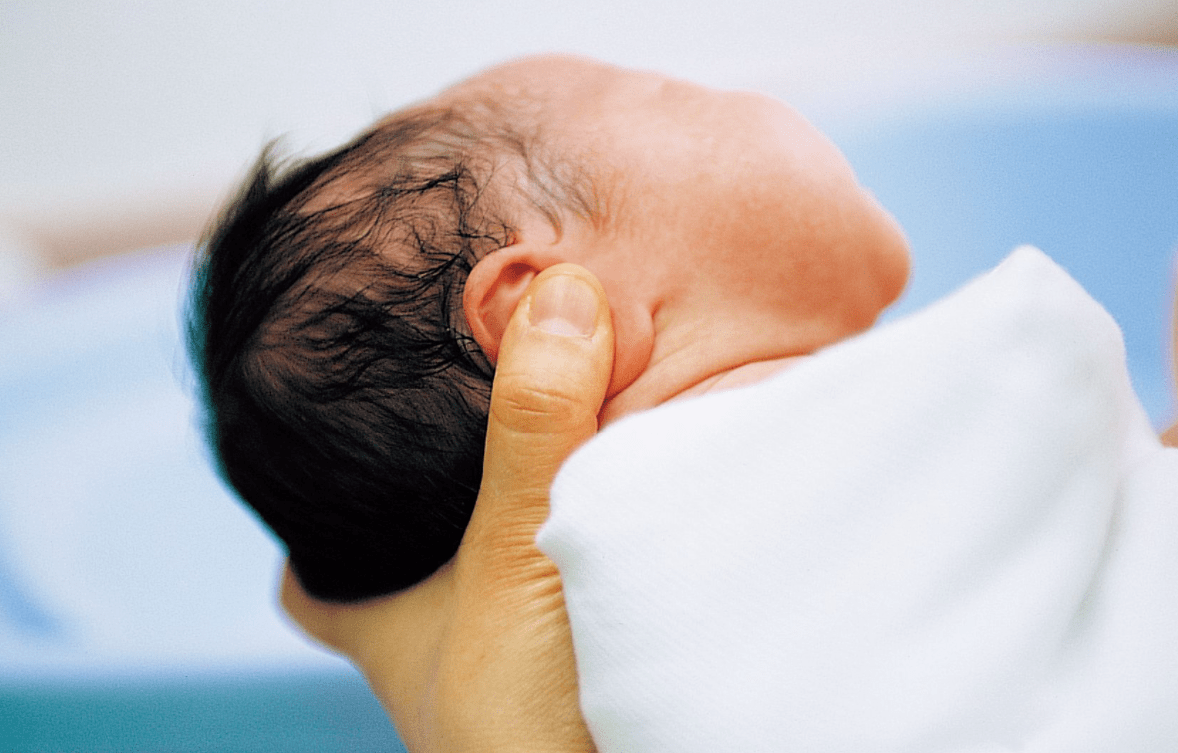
(345, 398)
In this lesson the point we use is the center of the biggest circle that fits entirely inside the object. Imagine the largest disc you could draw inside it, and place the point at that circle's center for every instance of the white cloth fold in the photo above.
(956, 532)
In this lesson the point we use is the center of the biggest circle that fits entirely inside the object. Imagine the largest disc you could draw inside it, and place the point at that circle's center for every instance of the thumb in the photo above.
(554, 366)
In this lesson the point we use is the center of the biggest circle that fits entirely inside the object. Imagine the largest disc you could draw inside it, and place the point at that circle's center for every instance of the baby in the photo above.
(347, 311)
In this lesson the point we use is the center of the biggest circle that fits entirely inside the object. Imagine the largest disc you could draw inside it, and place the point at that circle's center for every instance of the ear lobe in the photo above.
(493, 290)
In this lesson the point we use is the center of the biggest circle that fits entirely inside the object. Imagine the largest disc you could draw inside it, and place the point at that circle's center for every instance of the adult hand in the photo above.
(479, 656)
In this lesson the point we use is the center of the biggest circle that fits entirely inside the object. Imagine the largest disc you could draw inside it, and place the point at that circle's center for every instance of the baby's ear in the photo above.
(494, 288)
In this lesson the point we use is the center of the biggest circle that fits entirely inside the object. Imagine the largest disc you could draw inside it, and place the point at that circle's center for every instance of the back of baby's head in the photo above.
(346, 401)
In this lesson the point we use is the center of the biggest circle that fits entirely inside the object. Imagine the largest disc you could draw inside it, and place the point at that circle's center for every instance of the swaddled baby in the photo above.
(347, 310)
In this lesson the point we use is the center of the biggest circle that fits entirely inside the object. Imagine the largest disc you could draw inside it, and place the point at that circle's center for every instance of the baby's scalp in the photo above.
(345, 312)
(346, 401)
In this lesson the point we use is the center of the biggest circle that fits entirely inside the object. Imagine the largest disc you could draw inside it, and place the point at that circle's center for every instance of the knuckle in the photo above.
(528, 407)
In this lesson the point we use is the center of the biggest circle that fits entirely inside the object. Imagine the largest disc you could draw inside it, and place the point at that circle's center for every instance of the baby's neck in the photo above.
(740, 376)
(749, 373)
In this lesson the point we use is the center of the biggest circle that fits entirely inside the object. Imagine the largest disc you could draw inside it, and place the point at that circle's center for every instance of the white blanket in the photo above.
(957, 532)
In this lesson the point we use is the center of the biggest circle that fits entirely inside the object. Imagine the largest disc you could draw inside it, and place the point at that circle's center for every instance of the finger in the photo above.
(554, 366)
(508, 642)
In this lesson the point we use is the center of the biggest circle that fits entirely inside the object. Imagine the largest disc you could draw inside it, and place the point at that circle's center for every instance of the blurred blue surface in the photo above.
(137, 607)
(1079, 159)
(262, 714)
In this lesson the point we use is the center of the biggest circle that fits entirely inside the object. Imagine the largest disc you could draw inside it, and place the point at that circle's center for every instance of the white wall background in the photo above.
(123, 121)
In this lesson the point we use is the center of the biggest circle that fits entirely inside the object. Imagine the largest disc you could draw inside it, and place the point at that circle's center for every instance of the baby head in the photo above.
(347, 311)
